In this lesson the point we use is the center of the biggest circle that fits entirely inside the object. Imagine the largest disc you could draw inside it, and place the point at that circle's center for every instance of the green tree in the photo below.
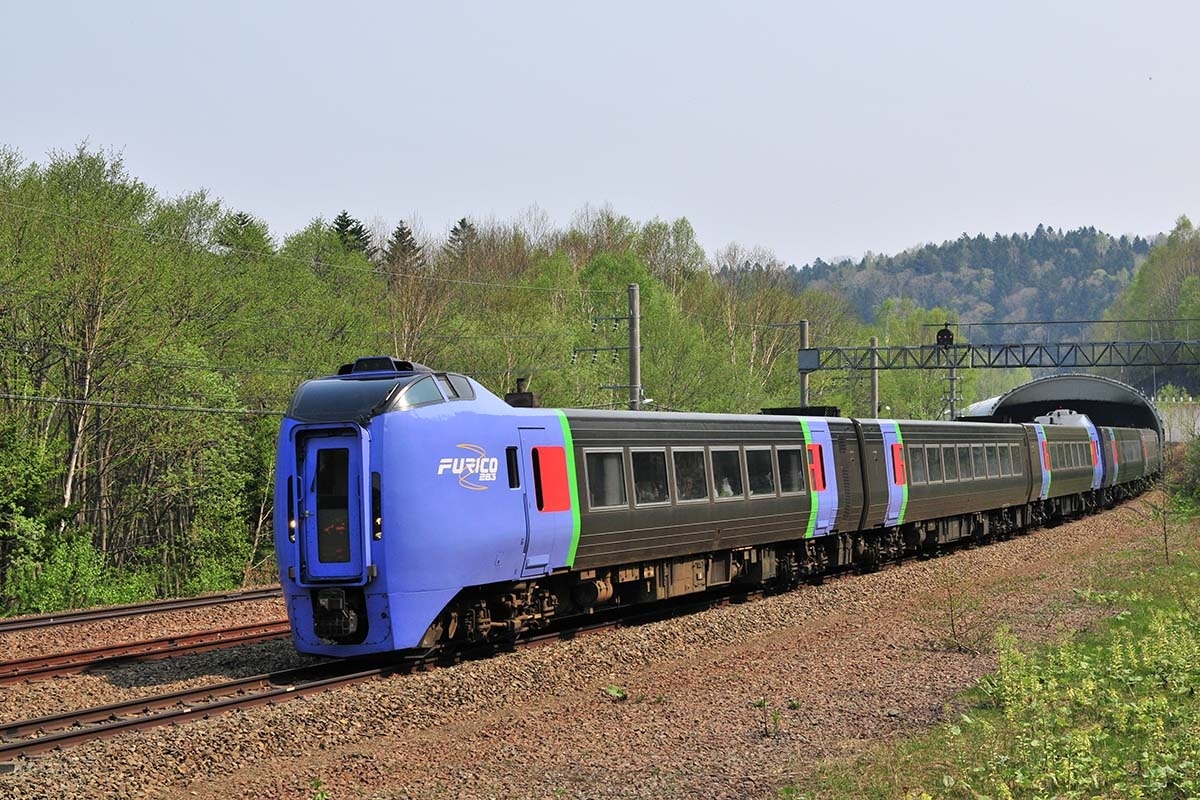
(352, 234)
(461, 244)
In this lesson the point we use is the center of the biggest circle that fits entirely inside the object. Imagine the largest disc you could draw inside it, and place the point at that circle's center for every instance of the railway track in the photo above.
(134, 609)
(31, 737)
(45, 734)
(149, 650)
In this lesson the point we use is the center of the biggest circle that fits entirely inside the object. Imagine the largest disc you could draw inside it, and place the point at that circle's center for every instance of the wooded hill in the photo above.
(1047, 275)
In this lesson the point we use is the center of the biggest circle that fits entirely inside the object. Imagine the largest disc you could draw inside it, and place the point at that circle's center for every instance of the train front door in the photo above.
(331, 515)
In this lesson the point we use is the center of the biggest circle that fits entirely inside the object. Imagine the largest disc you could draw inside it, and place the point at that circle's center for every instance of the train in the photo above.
(415, 510)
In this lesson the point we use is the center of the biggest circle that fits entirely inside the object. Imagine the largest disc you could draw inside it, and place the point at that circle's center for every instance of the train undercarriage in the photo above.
(501, 613)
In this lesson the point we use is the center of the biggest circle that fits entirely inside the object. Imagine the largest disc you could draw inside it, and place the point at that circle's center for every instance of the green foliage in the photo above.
(351, 234)
(1165, 287)
(1114, 714)
(50, 572)
(616, 693)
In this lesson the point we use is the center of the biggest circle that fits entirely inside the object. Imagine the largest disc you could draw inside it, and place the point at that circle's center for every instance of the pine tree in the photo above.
(402, 251)
(352, 234)
(461, 243)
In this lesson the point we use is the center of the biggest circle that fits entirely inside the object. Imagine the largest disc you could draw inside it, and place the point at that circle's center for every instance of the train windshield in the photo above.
(326, 400)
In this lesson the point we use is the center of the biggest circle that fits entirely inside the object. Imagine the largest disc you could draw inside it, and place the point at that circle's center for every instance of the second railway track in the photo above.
(152, 649)
(135, 609)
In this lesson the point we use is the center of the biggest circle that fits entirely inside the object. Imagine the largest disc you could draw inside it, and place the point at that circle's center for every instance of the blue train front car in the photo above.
(398, 487)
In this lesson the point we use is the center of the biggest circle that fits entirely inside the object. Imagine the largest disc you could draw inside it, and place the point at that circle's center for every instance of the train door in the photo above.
(546, 488)
(897, 472)
(331, 536)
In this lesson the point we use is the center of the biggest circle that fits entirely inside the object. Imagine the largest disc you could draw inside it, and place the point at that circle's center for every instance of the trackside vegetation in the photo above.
(1110, 714)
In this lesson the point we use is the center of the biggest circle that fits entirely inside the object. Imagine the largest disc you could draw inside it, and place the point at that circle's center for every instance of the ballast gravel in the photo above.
(735, 702)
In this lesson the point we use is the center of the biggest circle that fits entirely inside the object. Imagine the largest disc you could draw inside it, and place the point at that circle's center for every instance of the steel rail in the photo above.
(133, 609)
(257, 690)
(146, 650)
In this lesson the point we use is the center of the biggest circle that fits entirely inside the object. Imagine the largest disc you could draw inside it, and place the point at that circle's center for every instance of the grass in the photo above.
(1110, 714)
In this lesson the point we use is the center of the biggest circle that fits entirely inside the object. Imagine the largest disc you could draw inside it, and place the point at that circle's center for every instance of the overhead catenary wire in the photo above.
(70, 401)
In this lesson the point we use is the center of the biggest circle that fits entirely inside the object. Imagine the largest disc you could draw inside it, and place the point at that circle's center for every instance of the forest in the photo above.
(1018, 278)
(149, 344)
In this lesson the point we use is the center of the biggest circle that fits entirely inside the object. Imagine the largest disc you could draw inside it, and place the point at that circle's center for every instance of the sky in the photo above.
(810, 129)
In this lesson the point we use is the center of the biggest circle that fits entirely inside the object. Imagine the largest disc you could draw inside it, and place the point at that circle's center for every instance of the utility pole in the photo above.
(874, 412)
(803, 374)
(635, 348)
(634, 318)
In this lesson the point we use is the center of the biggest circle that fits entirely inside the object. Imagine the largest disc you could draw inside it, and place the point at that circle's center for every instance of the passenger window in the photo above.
(816, 467)
(993, 461)
(899, 470)
(691, 481)
(419, 393)
(950, 462)
(916, 464)
(1005, 460)
(964, 462)
(978, 461)
(727, 473)
(1018, 469)
(760, 472)
(650, 477)
(606, 479)
(934, 454)
(791, 470)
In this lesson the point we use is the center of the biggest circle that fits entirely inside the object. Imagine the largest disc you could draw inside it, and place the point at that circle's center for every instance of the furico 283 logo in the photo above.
(478, 467)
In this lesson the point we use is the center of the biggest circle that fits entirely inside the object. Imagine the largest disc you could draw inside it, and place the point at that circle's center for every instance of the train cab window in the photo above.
(1005, 460)
(691, 479)
(423, 392)
(965, 472)
(934, 454)
(816, 467)
(650, 477)
(760, 471)
(606, 479)
(950, 463)
(333, 505)
(462, 387)
(993, 461)
(916, 464)
(791, 470)
(1015, 454)
(978, 461)
(899, 468)
(727, 473)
